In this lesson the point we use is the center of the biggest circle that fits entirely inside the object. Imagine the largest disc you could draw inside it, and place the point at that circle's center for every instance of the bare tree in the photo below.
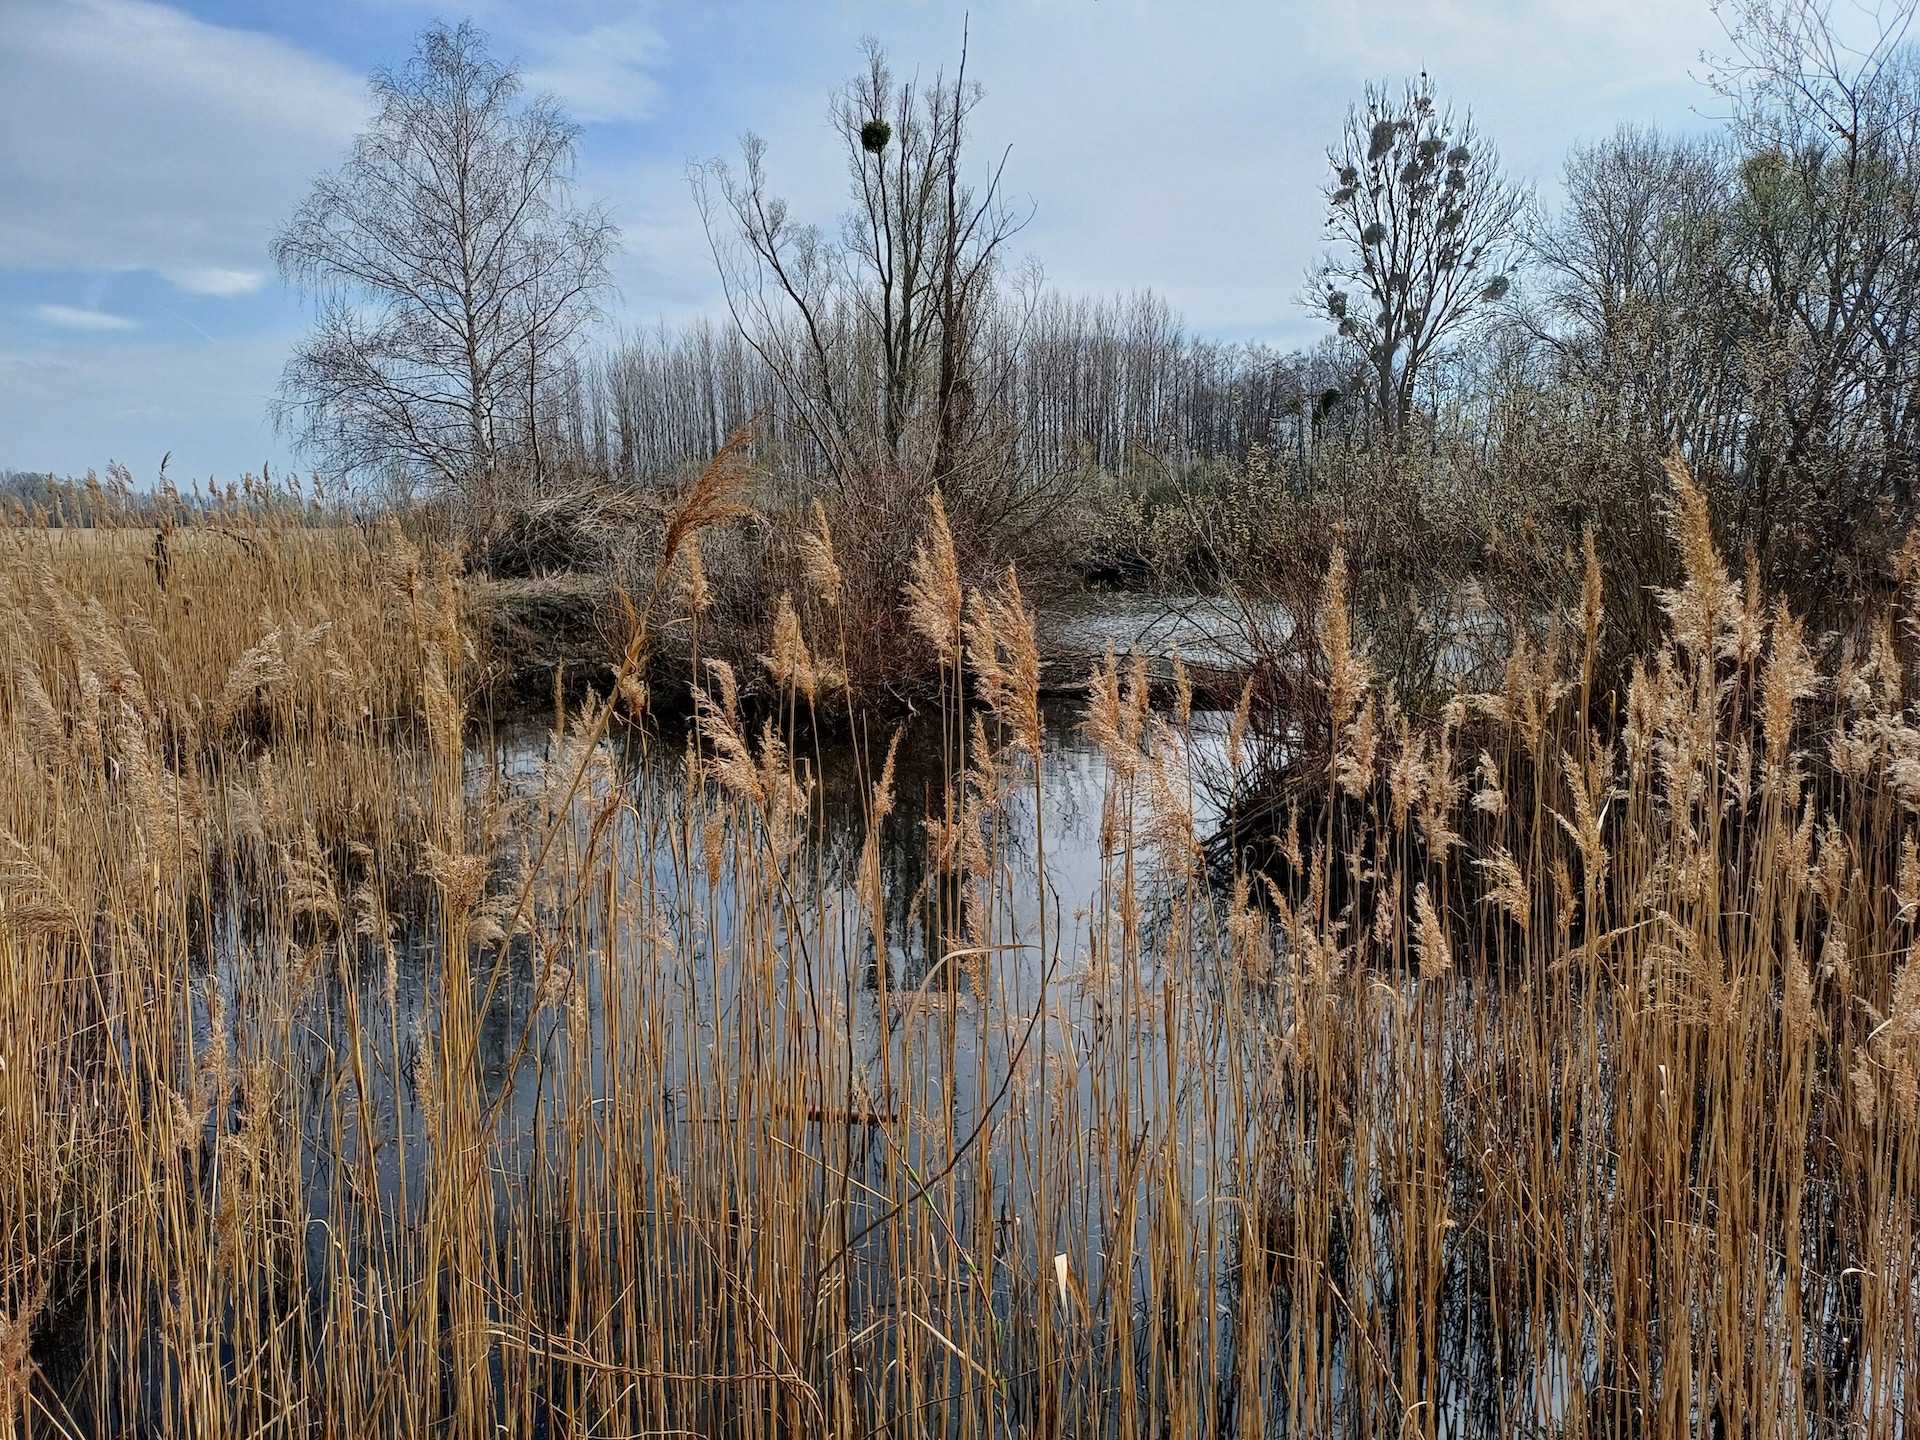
(1826, 227)
(894, 342)
(452, 273)
(874, 335)
(1633, 299)
(1425, 225)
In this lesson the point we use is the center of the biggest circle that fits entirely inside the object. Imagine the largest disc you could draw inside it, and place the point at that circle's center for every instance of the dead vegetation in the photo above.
(1562, 1078)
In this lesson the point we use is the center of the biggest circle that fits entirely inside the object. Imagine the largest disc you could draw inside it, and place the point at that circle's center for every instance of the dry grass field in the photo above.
(1567, 1083)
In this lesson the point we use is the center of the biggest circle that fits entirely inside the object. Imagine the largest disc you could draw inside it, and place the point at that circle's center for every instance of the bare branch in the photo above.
(452, 270)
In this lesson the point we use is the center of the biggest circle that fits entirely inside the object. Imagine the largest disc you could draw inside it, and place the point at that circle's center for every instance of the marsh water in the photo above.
(1061, 816)
(1049, 862)
(778, 1005)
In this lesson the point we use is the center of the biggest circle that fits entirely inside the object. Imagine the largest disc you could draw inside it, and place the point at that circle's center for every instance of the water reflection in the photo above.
(1073, 784)
(666, 939)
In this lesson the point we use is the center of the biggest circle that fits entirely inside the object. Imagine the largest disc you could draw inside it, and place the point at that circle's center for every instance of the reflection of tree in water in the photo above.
(843, 771)
(846, 775)
(914, 895)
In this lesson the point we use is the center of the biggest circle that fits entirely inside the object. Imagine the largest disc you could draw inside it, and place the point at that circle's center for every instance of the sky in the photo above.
(149, 151)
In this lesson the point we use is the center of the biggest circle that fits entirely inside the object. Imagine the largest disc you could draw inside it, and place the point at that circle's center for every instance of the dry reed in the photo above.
(349, 1087)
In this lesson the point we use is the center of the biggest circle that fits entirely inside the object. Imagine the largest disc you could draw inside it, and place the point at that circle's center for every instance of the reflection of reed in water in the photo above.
(1555, 1079)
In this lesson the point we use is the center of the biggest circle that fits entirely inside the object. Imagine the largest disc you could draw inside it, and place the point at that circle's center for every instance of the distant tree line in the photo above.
(1747, 297)
(30, 497)
(1089, 384)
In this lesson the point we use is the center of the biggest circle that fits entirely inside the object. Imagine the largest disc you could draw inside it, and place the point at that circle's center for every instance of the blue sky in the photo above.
(148, 151)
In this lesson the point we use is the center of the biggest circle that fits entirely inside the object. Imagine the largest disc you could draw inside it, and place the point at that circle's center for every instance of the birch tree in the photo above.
(451, 272)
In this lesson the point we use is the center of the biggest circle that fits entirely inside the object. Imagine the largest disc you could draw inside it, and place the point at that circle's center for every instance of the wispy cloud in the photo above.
(602, 74)
(216, 281)
(71, 317)
(158, 141)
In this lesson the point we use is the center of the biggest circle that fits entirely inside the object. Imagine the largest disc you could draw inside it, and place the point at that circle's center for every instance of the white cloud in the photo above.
(71, 317)
(1173, 146)
(141, 138)
(217, 281)
(602, 74)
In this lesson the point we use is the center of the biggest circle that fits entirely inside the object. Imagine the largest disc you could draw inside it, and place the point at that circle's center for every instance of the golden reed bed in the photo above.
(1569, 1085)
